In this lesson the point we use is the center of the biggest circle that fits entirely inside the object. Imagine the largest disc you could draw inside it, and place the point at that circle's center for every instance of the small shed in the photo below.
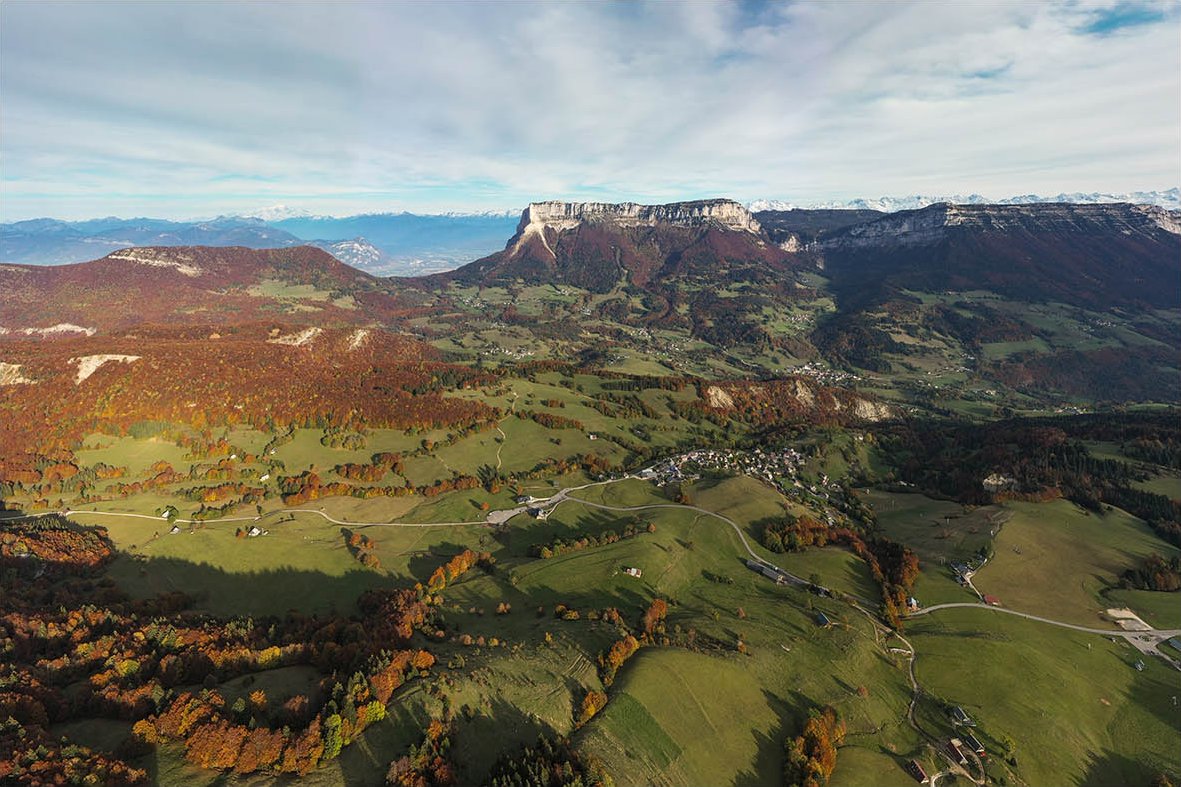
(633, 572)
(992, 601)
(823, 620)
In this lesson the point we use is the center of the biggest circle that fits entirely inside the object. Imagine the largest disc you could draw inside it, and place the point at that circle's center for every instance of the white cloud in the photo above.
(177, 109)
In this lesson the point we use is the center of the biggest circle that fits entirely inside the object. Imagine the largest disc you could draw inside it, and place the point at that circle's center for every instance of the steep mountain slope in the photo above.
(1086, 255)
(793, 229)
(1074, 300)
(597, 246)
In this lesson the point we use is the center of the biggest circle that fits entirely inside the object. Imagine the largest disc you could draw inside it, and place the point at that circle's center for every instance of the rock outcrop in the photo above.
(931, 225)
(542, 220)
(567, 215)
(595, 245)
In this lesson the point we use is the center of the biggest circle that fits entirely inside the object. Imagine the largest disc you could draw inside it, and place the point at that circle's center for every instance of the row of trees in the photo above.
(559, 547)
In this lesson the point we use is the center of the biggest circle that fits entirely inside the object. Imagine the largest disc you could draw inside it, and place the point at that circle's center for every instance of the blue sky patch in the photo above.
(1110, 20)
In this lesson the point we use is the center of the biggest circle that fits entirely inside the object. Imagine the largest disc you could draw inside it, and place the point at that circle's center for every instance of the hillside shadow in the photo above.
(769, 759)
(263, 593)
(423, 563)
(517, 541)
(1107, 768)
(1157, 696)
(506, 726)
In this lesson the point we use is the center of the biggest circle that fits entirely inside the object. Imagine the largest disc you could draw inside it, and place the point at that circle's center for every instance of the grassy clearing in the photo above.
(938, 531)
(1159, 610)
(1077, 710)
(667, 704)
(136, 455)
(1167, 484)
(1055, 559)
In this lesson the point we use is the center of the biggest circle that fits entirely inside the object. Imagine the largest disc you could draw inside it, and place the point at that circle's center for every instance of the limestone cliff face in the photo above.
(596, 245)
(930, 225)
(563, 216)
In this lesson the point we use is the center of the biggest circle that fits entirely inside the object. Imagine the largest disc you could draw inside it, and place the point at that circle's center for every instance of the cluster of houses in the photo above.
(966, 742)
(516, 353)
(825, 375)
(763, 464)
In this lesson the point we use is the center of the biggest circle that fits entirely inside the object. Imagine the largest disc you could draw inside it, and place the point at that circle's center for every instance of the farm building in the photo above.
(954, 746)
(959, 717)
(539, 513)
(915, 769)
(823, 620)
(633, 572)
(973, 744)
(992, 601)
(770, 572)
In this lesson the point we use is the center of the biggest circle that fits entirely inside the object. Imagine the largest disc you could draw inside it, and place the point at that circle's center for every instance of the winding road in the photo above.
(1144, 641)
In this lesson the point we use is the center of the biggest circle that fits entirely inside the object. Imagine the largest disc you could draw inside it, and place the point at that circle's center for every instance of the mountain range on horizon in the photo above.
(1165, 198)
(408, 244)
(829, 285)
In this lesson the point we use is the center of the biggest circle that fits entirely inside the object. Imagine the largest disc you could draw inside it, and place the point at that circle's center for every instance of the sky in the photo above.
(178, 110)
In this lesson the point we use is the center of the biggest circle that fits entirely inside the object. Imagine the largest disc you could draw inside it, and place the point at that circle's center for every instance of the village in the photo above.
(766, 465)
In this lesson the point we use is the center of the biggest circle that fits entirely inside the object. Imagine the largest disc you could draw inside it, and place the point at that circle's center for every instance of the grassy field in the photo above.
(1078, 712)
(1076, 709)
(667, 704)
(1159, 610)
(938, 531)
(1167, 484)
(135, 455)
(1055, 559)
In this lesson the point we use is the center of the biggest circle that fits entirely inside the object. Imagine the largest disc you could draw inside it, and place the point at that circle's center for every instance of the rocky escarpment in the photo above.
(565, 215)
(1092, 256)
(543, 219)
(932, 224)
(596, 245)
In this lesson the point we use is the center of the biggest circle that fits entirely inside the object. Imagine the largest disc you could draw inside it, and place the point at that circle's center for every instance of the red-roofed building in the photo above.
(992, 601)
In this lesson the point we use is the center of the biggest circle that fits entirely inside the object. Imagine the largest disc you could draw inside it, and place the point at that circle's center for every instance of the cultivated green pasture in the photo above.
(938, 531)
(1055, 559)
(1072, 702)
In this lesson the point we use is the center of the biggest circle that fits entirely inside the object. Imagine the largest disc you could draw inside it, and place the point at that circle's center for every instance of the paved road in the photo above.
(1144, 641)
(792, 578)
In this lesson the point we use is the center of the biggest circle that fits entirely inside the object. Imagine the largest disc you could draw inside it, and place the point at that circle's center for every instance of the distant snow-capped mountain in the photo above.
(1170, 198)
(274, 213)
(284, 212)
